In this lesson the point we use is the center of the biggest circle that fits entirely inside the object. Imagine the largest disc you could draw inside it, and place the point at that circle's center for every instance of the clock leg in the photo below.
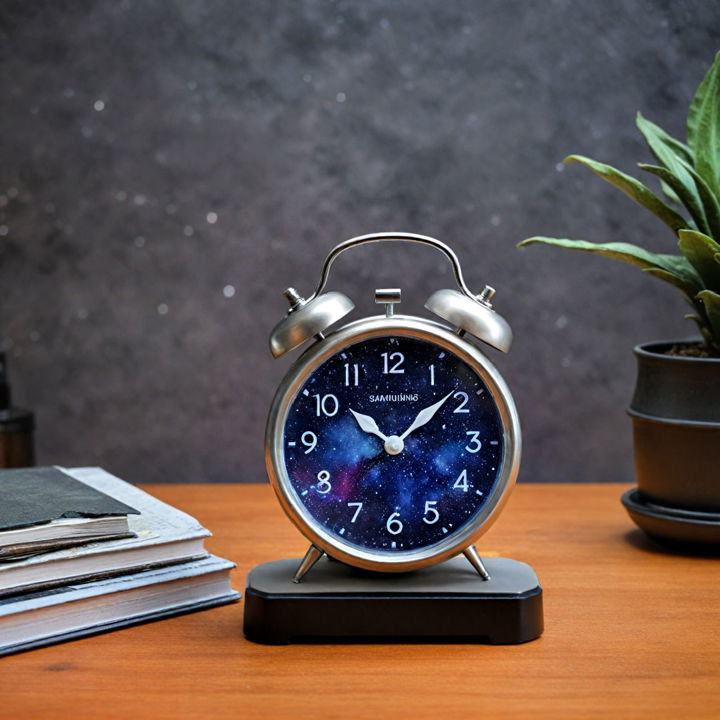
(474, 559)
(311, 557)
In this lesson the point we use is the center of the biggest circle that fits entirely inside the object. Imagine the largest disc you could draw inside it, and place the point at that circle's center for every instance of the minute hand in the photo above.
(425, 416)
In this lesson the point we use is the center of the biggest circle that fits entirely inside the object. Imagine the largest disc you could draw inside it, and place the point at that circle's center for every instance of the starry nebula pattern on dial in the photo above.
(366, 496)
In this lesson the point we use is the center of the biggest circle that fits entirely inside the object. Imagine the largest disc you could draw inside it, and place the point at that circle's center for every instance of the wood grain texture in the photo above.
(630, 632)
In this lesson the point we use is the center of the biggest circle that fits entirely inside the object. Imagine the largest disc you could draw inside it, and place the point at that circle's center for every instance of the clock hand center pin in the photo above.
(394, 445)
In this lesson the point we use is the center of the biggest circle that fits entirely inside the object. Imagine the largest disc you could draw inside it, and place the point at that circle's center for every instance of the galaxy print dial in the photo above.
(392, 445)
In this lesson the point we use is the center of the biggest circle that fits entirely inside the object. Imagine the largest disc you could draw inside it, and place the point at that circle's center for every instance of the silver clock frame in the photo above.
(323, 541)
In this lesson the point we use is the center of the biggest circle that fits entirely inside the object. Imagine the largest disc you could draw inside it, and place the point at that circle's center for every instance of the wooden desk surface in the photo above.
(630, 632)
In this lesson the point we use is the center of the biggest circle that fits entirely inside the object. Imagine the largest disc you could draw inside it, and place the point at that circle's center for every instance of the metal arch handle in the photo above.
(392, 237)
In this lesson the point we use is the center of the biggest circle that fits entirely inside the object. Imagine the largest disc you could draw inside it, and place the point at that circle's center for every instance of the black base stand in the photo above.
(443, 603)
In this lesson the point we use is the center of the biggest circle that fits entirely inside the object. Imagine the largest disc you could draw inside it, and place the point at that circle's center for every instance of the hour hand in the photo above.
(367, 424)
(425, 416)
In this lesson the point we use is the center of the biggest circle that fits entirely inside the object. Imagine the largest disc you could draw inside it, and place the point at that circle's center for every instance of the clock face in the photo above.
(393, 444)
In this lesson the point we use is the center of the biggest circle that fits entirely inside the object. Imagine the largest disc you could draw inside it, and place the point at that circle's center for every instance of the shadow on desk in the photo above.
(639, 540)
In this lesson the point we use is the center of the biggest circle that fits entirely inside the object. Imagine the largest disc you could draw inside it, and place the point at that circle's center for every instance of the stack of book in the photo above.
(83, 552)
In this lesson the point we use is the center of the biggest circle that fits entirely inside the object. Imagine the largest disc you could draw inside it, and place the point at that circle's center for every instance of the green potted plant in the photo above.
(675, 410)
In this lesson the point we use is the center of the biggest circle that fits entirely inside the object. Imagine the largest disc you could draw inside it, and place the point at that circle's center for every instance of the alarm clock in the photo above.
(392, 442)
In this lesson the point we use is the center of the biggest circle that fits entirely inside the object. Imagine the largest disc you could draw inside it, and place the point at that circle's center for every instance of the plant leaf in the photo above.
(680, 149)
(710, 203)
(689, 200)
(634, 189)
(667, 156)
(696, 105)
(711, 303)
(670, 194)
(702, 251)
(675, 265)
(704, 328)
(703, 126)
(690, 289)
(707, 195)
(684, 153)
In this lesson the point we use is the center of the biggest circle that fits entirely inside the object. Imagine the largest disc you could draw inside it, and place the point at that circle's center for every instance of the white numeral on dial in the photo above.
(326, 405)
(354, 373)
(474, 445)
(357, 511)
(461, 407)
(398, 358)
(323, 486)
(432, 374)
(462, 482)
(309, 440)
(431, 514)
(393, 524)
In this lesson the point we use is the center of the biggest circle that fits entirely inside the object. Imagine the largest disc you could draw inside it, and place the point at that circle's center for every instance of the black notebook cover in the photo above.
(32, 496)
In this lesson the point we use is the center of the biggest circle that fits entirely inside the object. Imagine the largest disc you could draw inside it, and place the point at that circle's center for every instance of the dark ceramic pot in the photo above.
(16, 438)
(16, 427)
(676, 424)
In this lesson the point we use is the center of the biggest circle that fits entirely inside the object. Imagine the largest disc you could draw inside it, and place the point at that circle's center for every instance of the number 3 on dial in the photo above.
(474, 445)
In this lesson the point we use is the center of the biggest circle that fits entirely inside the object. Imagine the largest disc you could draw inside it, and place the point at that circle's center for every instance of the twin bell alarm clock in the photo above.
(392, 442)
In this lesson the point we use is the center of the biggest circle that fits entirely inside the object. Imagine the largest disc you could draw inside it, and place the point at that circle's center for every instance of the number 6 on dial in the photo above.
(393, 524)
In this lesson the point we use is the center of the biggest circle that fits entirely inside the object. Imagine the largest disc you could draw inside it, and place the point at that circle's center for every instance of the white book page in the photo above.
(157, 524)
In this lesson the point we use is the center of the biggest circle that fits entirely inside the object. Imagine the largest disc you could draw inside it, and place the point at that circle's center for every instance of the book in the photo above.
(48, 502)
(63, 529)
(19, 551)
(160, 535)
(80, 609)
(44, 509)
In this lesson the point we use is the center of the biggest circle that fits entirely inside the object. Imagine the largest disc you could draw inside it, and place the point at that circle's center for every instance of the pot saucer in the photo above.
(673, 526)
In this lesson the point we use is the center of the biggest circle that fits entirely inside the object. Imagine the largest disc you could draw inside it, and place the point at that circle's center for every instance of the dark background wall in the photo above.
(168, 168)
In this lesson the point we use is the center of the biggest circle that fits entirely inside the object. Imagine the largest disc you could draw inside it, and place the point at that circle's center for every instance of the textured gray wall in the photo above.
(125, 125)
